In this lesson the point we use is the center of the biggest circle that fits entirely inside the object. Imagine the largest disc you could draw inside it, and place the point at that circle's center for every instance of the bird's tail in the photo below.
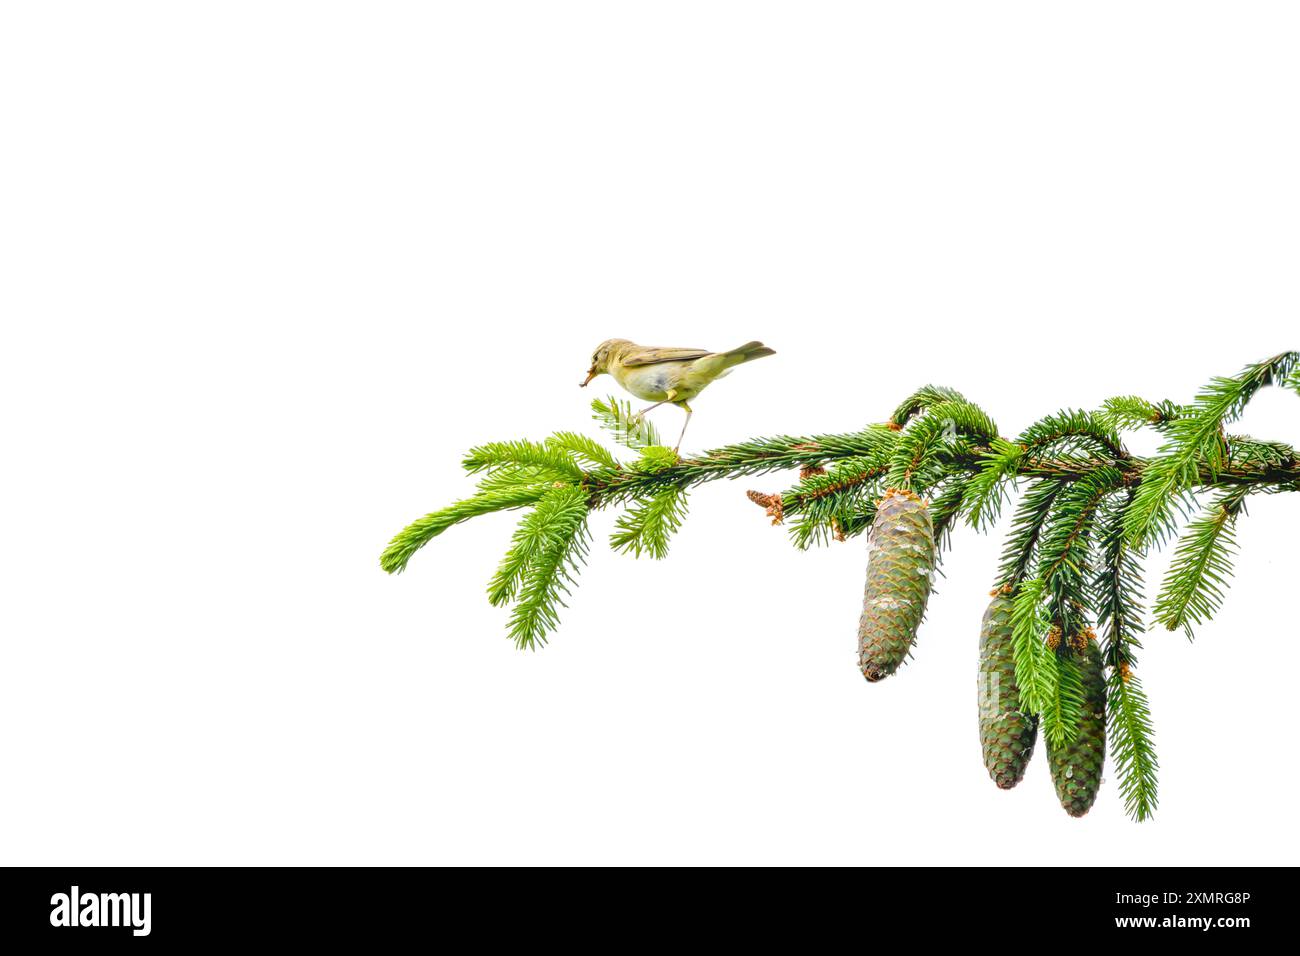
(747, 353)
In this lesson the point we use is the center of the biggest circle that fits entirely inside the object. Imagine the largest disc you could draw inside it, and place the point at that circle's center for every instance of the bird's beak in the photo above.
(587, 381)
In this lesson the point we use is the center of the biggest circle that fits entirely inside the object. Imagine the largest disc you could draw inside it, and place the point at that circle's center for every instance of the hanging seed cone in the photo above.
(1076, 767)
(1007, 734)
(899, 569)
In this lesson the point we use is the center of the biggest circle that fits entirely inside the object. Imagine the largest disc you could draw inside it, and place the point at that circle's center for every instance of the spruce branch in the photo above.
(560, 546)
(1117, 585)
(923, 398)
(1021, 546)
(1088, 512)
(948, 502)
(826, 501)
(1071, 433)
(628, 428)
(515, 478)
(543, 458)
(932, 439)
(1132, 743)
(1064, 559)
(1193, 586)
(420, 532)
(988, 486)
(1063, 708)
(648, 524)
(583, 449)
(1250, 452)
(555, 511)
(1128, 412)
(1118, 599)
(1196, 446)
(1036, 670)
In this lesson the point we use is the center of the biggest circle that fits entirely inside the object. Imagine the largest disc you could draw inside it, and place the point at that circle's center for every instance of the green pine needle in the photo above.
(546, 458)
(556, 511)
(1128, 412)
(923, 398)
(648, 525)
(585, 450)
(511, 477)
(1070, 433)
(1248, 452)
(560, 546)
(1060, 716)
(1036, 670)
(1196, 443)
(420, 532)
(1193, 587)
(918, 456)
(629, 429)
(1064, 561)
(1031, 515)
(988, 487)
(1132, 747)
(820, 506)
(1117, 590)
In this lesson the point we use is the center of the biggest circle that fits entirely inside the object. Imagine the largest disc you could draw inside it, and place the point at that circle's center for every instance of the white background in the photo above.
(268, 269)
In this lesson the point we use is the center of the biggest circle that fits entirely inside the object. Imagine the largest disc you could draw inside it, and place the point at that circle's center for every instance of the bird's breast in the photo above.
(650, 382)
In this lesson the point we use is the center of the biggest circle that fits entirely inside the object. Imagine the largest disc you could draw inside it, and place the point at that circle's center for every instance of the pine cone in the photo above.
(1007, 733)
(899, 570)
(1076, 767)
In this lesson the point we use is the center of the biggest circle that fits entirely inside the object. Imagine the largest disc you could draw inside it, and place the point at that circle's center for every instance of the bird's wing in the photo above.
(652, 356)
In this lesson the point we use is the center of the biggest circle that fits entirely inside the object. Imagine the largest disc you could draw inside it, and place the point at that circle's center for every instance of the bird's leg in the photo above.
(650, 408)
(672, 394)
(689, 413)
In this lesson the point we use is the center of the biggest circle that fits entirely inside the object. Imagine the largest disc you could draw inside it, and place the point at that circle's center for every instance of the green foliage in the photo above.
(420, 532)
(554, 547)
(1031, 515)
(1132, 744)
(544, 458)
(1196, 445)
(1036, 668)
(517, 477)
(1193, 587)
(1117, 590)
(1069, 434)
(1248, 452)
(1087, 514)
(628, 428)
(554, 513)
(1127, 412)
(823, 505)
(1064, 552)
(1117, 586)
(923, 398)
(947, 502)
(988, 486)
(647, 526)
(586, 451)
(654, 459)
(919, 459)
(1062, 710)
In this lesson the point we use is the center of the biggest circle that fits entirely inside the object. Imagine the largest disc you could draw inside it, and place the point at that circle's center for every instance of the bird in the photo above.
(662, 375)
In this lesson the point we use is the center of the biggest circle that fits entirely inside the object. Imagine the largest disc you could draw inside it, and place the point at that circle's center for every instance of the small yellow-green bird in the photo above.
(667, 375)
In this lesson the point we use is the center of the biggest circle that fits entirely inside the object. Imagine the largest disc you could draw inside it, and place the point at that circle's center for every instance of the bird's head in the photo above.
(604, 354)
